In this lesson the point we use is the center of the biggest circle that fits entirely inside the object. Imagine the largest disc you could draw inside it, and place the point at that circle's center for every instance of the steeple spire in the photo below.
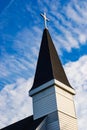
(51, 92)
(48, 66)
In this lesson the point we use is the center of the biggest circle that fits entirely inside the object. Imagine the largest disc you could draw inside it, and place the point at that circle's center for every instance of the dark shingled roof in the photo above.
(48, 66)
(25, 124)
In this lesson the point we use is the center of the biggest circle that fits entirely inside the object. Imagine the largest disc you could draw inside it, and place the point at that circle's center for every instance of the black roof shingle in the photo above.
(49, 65)
(25, 124)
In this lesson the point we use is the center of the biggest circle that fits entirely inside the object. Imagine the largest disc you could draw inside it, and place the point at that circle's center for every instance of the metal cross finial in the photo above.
(45, 19)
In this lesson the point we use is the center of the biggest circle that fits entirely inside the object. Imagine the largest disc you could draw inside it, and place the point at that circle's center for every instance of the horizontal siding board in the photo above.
(44, 106)
(53, 126)
(65, 105)
(52, 117)
(59, 107)
(63, 92)
(43, 93)
(67, 122)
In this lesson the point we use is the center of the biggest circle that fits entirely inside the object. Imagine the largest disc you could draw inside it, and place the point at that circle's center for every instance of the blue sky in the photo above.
(21, 29)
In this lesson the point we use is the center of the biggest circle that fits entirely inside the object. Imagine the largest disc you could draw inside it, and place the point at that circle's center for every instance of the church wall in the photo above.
(52, 121)
(53, 126)
(63, 92)
(65, 102)
(66, 109)
(44, 102)
(43, 93)
(67, 122)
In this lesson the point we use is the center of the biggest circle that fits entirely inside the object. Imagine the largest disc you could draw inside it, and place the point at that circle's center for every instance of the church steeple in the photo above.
(48, 66)
(51, 92)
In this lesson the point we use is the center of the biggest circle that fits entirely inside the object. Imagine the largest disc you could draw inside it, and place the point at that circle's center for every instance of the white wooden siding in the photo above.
(65, 102)
(65, 105)
(44, 102)
(52, 121)
(58, 105)
(53, 126)
(44, 106)
(52, 117)
(63, 92)
(43, 93)
(67, 122)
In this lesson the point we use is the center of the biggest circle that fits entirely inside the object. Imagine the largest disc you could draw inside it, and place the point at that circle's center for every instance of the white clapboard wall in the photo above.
(56, 102)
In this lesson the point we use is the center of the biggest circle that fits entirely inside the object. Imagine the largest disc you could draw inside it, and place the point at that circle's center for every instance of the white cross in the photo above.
(45, 19)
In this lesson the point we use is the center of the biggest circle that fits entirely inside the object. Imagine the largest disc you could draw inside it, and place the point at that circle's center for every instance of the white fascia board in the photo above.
(42, 87)
(50, 83)
(64, 87)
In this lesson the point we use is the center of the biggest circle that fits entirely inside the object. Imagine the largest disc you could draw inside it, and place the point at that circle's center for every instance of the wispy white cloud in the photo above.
(26, 40)
(15, 103)
(23, 62)
(78, 10)
(77, 69)
(76, 72)
(73, 14)
(70, 24)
